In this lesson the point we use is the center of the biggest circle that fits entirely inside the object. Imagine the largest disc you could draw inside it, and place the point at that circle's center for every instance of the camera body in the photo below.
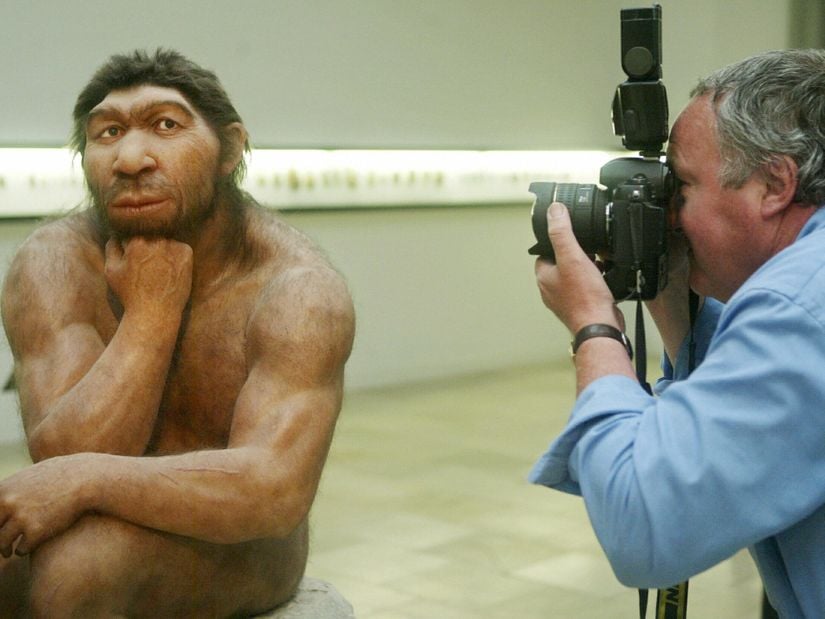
(624, 219)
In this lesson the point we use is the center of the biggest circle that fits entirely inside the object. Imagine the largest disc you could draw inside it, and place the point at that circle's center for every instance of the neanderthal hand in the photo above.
(154, 273)
(572, 286)
(37, 503)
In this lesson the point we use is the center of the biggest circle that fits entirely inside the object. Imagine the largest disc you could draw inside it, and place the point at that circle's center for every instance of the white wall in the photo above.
(377, 73)
(438, 291)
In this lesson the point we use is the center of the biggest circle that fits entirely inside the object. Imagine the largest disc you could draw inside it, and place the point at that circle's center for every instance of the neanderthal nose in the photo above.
(133, 155)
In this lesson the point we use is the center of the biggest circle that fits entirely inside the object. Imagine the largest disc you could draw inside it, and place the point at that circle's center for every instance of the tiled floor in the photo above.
(424, 511)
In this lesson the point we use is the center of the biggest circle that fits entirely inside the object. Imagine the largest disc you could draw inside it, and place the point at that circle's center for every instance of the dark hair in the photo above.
(769, 105)
(166, 68)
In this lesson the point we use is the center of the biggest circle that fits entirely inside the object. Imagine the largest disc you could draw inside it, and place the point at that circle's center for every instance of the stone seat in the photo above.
(315, 599)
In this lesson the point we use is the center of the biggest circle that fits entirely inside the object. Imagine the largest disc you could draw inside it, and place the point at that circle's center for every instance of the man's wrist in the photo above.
(600, 330)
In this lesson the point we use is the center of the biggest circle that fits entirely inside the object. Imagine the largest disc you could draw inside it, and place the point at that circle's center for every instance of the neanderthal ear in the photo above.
(233, 143)
(780, 183)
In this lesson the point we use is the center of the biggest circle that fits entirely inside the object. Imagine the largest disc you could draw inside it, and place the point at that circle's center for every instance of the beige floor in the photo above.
(424, 511)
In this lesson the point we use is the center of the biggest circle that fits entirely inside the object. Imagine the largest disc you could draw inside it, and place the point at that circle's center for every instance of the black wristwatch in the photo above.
(600, 330)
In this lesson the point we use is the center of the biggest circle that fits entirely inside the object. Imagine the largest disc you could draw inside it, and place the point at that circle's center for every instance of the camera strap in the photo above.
(641, 348)
(671, 603)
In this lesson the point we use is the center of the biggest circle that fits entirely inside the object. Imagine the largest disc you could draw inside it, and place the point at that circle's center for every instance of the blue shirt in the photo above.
(731, 457)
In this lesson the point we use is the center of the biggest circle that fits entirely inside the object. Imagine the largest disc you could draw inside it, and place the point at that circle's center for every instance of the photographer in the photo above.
(732, 456)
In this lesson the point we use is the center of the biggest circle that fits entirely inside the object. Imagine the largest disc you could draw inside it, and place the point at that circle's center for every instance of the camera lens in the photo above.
(587, 204)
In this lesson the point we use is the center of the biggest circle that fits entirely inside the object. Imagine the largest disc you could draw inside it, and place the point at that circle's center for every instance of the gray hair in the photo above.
(768, 106)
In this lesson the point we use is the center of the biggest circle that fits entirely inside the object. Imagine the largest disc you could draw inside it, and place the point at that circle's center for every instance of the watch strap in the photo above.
(600, 330)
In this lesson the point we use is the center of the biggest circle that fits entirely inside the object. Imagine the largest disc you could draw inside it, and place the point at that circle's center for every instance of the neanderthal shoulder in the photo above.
(54, 278)
(300, 282)
(281, 245)
(62, 250)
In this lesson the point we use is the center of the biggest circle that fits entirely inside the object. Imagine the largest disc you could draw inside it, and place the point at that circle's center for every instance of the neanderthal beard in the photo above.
(194, 205)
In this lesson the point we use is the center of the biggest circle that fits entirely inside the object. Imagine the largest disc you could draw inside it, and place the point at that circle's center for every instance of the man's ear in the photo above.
(781, 181)
(233, 142)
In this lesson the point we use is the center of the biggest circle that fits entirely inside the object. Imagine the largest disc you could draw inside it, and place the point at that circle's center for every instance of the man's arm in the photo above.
(669, 309)
(264, 483)
(672, 484)
(77, 392)
(574, 289)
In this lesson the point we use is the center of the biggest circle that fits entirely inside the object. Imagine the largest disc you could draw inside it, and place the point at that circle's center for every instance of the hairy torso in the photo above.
(209, 366)
(208, 370)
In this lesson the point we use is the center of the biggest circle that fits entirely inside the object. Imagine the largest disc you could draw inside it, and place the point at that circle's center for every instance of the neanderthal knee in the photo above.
(82, 572)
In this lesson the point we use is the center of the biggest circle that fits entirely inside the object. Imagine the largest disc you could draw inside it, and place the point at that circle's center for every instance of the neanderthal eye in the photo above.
(167, 124)
(111, 132)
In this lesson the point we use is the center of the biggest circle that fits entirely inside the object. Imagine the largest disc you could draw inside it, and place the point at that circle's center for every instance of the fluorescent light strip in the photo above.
(35, 182)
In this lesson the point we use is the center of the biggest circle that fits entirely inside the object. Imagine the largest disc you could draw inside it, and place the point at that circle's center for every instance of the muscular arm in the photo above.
(264, 483)
(77, 392)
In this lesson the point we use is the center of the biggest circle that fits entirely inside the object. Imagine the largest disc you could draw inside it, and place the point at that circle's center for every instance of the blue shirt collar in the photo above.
(816, 222)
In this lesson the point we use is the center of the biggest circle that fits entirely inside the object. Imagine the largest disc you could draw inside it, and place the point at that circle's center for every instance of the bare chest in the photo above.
(208, 370)
(206, 374)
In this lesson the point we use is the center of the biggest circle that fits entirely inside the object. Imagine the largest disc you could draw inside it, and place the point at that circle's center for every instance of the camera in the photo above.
(624, 219)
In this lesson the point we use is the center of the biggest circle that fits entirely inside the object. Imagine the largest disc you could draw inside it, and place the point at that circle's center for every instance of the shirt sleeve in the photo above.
(677, 483)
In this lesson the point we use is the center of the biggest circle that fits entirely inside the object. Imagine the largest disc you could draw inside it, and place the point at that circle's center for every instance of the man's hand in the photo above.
(669, 309)
(573, 287)
(150, 273)
(39, 502)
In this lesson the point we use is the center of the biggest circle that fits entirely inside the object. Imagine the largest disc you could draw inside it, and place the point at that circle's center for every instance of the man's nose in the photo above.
(134, 154)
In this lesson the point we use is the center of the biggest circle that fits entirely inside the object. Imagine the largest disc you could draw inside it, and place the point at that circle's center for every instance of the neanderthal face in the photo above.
(151, 161)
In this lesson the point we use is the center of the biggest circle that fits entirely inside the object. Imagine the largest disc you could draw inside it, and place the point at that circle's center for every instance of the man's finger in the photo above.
(22, 547)
(8, 534)
(543, 262)
(560, 230)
